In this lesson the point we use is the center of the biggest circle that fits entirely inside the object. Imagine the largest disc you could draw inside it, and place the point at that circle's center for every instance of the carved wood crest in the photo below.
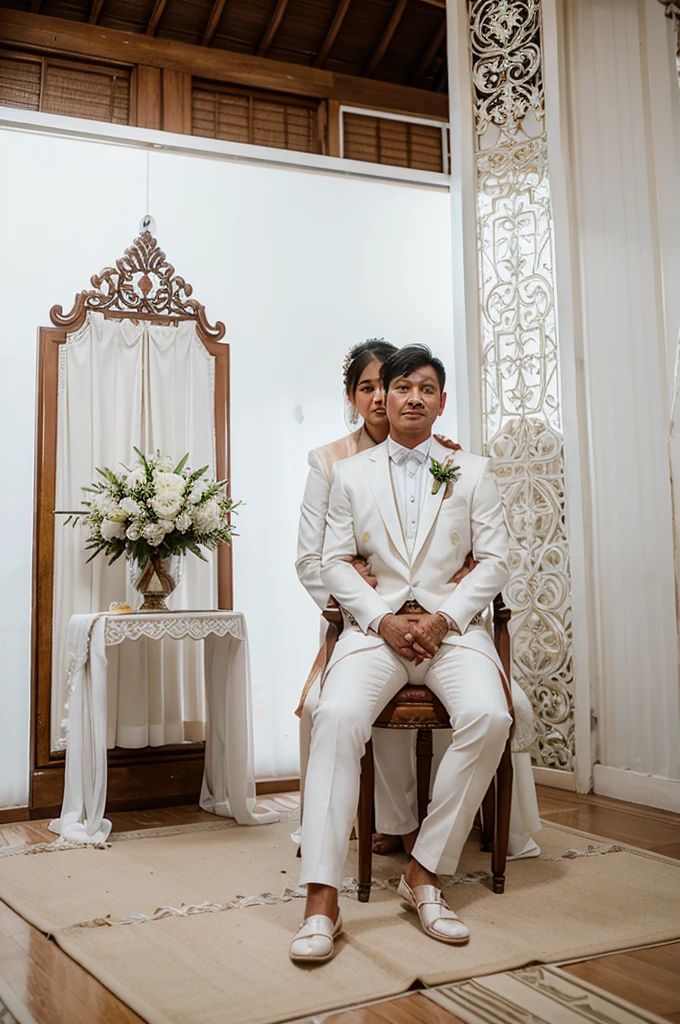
(142, 285)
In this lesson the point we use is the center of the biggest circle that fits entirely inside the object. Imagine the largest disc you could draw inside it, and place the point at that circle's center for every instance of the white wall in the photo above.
(299, 267)
(622, 154)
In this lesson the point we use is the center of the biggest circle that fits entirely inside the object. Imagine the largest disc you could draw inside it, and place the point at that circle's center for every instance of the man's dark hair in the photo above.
(407, 360)
(360, 356)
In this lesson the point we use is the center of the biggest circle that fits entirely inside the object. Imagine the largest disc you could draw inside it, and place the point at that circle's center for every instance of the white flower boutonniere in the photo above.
(443, 473)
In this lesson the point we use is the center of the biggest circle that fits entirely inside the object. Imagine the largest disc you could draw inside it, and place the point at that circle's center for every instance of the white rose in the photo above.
(172, 482)
(167, 524)
(165, 465)
(154, 533)
(103, 502)
(183, 522)
(136, 477)
(206, 518)
(134, 531)
(111, 530)
(130, 506)
(166, 505)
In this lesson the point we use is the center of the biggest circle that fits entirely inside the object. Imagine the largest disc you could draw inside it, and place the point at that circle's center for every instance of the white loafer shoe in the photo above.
(436, 917)
(314, 940)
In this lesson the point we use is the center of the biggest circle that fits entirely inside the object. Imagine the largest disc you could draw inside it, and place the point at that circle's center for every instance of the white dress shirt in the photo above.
(409, 468)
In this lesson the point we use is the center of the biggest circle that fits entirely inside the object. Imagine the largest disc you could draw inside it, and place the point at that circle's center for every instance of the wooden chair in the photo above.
(417, 707)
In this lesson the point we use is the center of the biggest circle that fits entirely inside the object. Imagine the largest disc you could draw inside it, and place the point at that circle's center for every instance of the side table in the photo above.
(228, 786)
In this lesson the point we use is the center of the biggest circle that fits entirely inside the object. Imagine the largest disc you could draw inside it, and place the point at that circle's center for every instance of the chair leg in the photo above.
(488, 816)
(423, 770)
(365, 822)
(502, 825)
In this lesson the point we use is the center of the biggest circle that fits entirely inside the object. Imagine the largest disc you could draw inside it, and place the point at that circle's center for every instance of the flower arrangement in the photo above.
(155, 510)
(443, 473)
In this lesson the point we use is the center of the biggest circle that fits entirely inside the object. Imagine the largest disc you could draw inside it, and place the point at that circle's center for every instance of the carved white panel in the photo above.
(520, 370)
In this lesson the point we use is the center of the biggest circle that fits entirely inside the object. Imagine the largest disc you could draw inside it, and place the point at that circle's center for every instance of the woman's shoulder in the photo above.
(334, 452)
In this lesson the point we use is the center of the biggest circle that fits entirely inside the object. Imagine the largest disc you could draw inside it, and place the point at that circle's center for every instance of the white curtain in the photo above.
(124, 385)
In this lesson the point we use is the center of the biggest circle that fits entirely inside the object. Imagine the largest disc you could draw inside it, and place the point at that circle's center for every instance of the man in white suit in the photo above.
(414, 512)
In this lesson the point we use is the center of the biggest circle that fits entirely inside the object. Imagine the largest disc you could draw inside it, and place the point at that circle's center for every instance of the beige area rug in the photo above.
(540, 995)
(192, 924)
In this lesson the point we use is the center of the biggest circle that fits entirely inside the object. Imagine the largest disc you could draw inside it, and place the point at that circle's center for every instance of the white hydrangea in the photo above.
(112, 530)
(206, 518)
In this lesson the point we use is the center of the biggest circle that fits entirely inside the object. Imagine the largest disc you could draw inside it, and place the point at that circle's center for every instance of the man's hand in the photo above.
(426, 635)
(468, 565)
(395, 628)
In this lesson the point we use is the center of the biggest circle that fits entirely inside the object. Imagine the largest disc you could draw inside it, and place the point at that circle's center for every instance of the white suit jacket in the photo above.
(363, 519)
(312, 528)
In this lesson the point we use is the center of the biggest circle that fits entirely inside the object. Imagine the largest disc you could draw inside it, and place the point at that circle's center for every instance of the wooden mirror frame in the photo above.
(142, 286)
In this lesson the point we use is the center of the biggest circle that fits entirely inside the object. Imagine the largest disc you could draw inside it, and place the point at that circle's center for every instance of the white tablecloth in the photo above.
(228, 787)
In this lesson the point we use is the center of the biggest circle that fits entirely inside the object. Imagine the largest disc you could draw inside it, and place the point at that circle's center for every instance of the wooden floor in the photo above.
(56, 990)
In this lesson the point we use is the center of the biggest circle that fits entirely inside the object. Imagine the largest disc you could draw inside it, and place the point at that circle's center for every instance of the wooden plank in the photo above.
(15, 814)
(332, 33)
(95, 11)
(76, 38)
(333, 128)
(155, 17)
(149, 93)
(213, 22)
(412, 1009)
(430, 54)
(386, 39)
(176, 116)
(272, 28)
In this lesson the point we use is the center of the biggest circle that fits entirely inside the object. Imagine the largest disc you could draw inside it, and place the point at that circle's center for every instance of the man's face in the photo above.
(415, 402)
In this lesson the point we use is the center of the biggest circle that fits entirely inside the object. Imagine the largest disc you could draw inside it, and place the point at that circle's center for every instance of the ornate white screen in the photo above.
(519, 357)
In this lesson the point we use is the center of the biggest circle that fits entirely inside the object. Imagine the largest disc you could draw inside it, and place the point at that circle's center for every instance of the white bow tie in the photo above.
(410, 460)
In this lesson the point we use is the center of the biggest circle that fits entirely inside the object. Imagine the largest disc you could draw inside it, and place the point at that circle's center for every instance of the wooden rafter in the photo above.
(386, 39)
(430, 54)
(272, 28)
(95, 11)
(435, 3)
(156, 15)
(60, 35)
(332, 33)
(213, 22)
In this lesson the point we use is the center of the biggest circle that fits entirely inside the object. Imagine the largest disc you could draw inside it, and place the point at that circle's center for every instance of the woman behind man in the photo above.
(394, 753)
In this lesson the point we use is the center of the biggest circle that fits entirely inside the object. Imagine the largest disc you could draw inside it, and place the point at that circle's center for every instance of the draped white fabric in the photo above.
(124, 385)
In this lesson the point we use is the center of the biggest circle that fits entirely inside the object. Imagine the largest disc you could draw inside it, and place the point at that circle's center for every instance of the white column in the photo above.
(622, 139)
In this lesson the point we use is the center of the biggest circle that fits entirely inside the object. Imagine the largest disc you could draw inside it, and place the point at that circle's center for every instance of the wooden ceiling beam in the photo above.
(95, 11)
(332, 33)
(429, 55)
(156, 16)
(435, 3)
(213, 22)
(272, 28)
(76, 39)
(392, 24)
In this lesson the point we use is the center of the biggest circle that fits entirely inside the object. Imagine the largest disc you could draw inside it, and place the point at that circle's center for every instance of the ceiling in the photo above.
(399, 41)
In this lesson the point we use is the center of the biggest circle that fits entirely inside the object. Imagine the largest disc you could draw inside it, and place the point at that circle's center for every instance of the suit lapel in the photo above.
(377, 470)
(432, 502)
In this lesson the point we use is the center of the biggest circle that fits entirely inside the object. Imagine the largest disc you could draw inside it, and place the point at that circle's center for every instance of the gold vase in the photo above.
(156, 580)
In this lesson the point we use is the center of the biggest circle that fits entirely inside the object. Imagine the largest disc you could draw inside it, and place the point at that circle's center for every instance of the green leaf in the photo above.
(181, 464)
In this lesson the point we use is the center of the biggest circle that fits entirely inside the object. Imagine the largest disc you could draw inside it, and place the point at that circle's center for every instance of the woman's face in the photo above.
(370, 400)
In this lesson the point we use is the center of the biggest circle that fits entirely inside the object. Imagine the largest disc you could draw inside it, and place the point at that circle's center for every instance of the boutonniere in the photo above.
(443, 473)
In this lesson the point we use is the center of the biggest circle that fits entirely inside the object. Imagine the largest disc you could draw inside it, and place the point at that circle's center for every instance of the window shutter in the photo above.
(258, 119)
(65, 87)
(382, 140)
(19, 83)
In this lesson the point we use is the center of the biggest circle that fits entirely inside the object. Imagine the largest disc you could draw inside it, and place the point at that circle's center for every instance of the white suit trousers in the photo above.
(355, 690)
